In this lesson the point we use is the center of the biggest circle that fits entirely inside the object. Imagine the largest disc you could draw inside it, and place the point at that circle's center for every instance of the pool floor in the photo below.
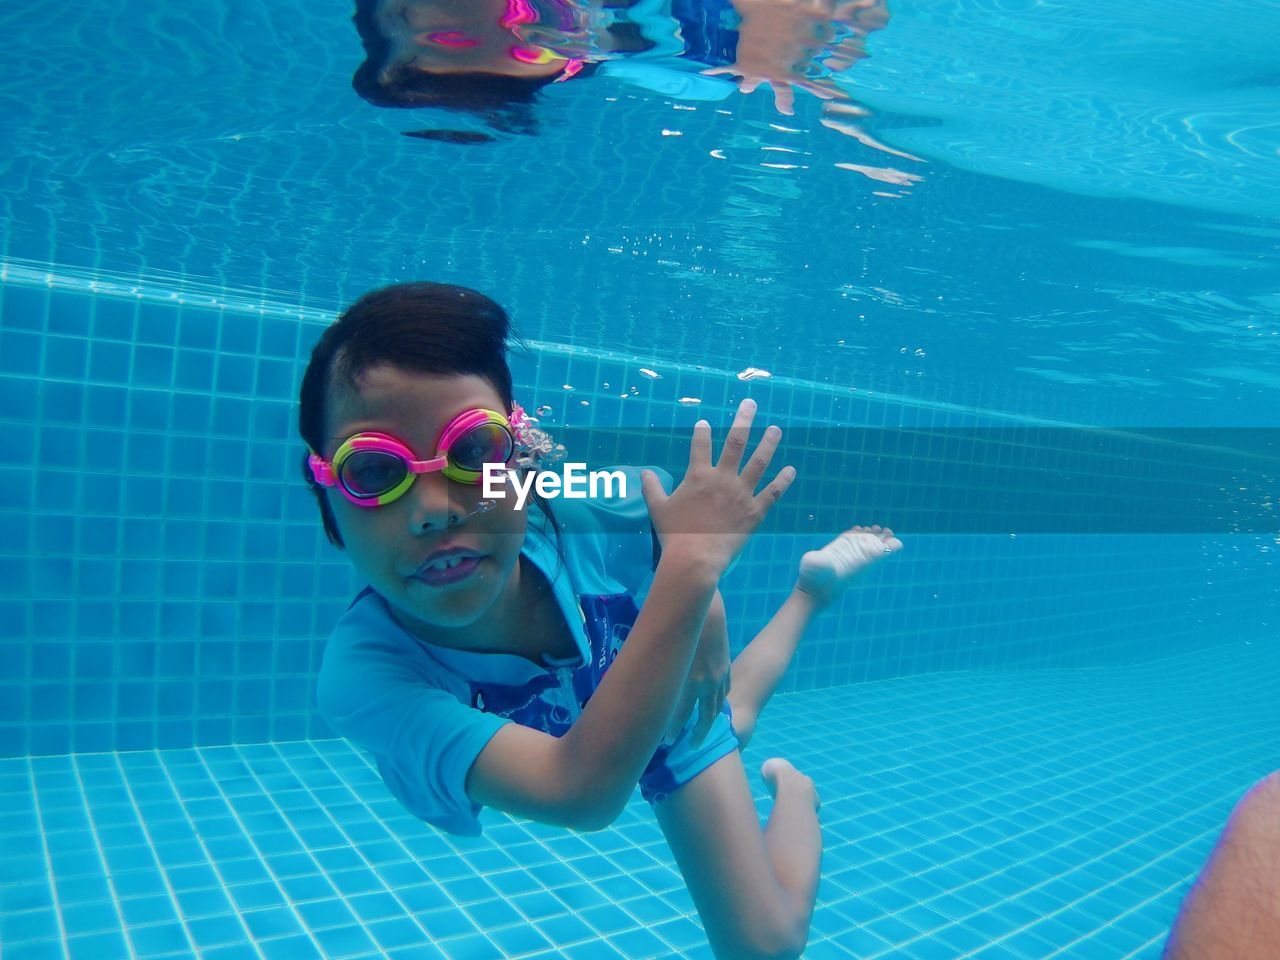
(1001, 815)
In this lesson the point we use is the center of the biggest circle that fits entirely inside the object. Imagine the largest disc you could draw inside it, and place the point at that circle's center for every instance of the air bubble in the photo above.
(544, 410)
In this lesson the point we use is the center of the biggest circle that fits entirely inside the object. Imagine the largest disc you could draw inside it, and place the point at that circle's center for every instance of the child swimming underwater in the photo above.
(498, 657)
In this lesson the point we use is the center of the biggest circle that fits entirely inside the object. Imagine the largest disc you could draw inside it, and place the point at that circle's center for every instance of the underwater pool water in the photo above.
(1026, 730)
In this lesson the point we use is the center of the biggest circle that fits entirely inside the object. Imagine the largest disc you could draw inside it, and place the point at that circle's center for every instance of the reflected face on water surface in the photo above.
(468, 36)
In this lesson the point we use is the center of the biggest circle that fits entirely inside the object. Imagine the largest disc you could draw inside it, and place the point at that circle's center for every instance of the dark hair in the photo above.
(418, 327)
(504, 103)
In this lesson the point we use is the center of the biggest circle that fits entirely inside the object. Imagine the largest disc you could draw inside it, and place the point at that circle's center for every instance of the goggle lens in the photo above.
(369, 474)
(487, 443)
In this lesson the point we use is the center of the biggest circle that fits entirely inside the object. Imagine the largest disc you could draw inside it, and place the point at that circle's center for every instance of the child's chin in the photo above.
(454, 605)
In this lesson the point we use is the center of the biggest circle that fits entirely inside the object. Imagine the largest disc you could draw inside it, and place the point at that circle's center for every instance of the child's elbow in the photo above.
(591, 813)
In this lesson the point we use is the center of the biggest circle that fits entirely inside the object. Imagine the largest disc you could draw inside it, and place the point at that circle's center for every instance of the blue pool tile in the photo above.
(928, 949)
(580, 897)
(607, 918)
(862, 942)
(446, 923)
(237, 333)
(68, 315)
(80, 889)
(159, 939)
(115, 319)
(395, 932)
(233, 951)
(568, 928)
(338, 942)
(538, 906)
(109, 362)
(271, 922)
(420, 951)
(19, 398)
(19, 897)
(17, 868)
(304, 888)
(427, 897)
(244, 872)
(95, 946)
(216, 931)
(142, 910)
(196, 331)
(357, 881)
(20, 353)
(36, 950)
(375, 906)
(89, 918)
(489, 914)
(518, 939)
(321, 914)
(473, 947)
(27, 925)
(999, 951)
(299, 947)
(892, 929)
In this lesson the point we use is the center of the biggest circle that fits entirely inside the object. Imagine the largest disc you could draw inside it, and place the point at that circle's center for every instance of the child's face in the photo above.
(389, 544)
(461, 36)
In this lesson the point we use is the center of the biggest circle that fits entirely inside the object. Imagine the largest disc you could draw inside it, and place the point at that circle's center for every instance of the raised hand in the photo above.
(716, 508)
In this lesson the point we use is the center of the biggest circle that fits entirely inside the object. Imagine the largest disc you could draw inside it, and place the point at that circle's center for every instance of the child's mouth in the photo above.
(450, 570)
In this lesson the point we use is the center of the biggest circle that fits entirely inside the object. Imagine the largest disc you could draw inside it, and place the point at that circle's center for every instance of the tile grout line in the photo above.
(235, 814)
(48, 860)
(102, 857)
(182, 918)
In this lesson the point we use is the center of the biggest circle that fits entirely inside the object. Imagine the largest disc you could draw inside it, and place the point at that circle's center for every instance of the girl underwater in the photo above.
(485, 663)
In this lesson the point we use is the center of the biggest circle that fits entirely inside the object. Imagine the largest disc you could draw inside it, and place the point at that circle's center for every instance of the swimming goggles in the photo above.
(374, 469)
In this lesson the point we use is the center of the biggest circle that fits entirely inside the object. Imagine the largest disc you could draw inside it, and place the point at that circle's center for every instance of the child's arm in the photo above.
(707, 684)
(585, 778)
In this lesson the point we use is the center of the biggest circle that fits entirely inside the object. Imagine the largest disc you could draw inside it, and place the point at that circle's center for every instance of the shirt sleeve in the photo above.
(376, 690)
(668, 80)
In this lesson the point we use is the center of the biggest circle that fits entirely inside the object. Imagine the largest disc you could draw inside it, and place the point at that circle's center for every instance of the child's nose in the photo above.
(430, 502)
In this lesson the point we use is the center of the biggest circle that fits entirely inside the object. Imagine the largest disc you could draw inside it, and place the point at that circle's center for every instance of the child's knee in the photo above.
(784, 942)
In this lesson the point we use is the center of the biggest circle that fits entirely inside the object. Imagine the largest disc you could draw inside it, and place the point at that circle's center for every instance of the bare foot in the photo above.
(778, 772)
(825, 573)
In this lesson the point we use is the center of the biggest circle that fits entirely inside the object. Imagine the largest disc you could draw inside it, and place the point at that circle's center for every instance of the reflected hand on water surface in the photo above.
(781, 40)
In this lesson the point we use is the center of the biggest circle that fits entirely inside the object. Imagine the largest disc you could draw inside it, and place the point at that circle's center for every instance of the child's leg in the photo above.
(824, 574)
(754, 891)
(756, 671)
